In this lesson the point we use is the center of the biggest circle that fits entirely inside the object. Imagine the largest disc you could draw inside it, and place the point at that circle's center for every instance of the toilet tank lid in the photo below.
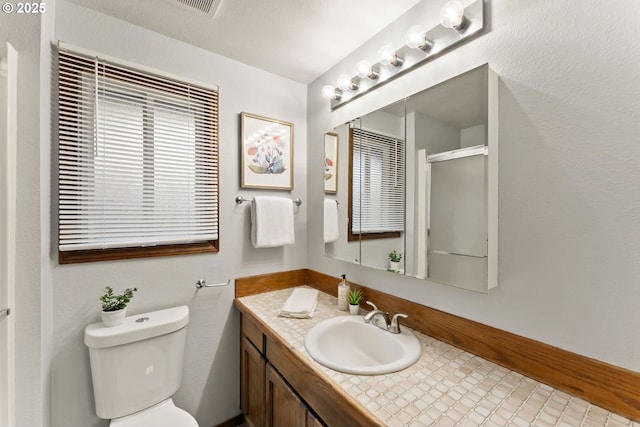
(137, 327)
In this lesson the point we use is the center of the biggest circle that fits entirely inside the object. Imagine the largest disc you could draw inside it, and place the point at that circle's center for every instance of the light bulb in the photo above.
(387, 56)
(329, 92)
(364, 69)
(345, 82)
(416, 38)
(452, 16)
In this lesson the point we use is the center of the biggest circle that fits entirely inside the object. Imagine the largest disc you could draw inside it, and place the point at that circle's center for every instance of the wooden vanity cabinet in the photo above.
(252, 385)
(267, 399)
(312, 421)
(284, 407)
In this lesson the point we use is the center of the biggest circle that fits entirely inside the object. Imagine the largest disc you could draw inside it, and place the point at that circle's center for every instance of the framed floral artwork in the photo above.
(267, 153)
(330, 163)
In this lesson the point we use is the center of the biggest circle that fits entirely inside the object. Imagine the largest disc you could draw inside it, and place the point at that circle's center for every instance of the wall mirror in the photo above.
(418, 178)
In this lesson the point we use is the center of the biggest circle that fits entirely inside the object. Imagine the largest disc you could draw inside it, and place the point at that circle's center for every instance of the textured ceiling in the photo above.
(297, 39)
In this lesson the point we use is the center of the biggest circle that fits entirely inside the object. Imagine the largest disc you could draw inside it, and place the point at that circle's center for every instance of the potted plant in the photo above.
(394, 261)
(355, 295)
(114, 306)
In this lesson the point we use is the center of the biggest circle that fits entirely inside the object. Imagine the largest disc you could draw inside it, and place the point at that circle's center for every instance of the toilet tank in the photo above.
(137, 364)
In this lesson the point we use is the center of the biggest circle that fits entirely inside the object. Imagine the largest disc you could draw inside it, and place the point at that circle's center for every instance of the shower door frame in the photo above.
(477, 150)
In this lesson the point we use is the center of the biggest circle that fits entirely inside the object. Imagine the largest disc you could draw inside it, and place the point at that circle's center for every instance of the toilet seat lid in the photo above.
(164, 414)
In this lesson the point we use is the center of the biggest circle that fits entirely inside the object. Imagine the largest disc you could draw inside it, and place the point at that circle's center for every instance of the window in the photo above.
(137, 165)
(376, 192)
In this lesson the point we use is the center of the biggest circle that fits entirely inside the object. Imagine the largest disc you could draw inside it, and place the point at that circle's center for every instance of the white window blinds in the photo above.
(378, 183)
(138, 157)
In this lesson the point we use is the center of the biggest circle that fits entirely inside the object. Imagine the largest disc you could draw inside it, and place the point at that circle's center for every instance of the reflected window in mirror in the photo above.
(376, 186)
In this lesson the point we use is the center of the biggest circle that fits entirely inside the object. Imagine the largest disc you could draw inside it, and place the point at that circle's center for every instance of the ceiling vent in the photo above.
(206, 7)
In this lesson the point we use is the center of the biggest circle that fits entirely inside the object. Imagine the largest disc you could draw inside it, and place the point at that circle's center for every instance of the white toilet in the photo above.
(137, 367)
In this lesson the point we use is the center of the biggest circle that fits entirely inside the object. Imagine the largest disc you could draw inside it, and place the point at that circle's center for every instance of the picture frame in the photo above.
(331, 163)
(266, 153)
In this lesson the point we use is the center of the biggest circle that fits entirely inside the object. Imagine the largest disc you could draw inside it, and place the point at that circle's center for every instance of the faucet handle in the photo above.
(394, 328)
(372, 305)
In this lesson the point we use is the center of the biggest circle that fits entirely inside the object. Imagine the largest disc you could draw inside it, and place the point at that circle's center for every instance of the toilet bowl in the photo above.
(164, 414)
(136, 368)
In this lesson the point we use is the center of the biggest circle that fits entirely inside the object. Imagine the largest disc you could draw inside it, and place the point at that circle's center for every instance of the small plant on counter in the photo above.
(113, 302)
(355, 295)
(394, 256)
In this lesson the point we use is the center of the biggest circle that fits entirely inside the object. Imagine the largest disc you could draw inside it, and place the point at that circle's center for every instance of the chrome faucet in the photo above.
(392, 325)
(371, 317)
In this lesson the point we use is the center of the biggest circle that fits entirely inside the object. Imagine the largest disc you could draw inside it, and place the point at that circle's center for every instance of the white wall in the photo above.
(29, 35)
(55, 302)
(473, 135)
(569, 228)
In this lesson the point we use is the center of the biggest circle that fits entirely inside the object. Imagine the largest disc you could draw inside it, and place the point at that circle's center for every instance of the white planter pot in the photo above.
(114, 318)
(353, 309)
(394, 265)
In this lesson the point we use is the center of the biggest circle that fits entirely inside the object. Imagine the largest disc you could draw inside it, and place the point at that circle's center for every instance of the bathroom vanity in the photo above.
(282, 385)
(280, 389)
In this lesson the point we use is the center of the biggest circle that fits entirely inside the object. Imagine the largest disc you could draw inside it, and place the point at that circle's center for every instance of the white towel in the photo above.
(331, 229)
(301, 304)
(272, 222)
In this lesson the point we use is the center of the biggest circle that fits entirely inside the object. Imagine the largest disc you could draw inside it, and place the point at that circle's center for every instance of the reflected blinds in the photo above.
(138, 157)
(378, 183)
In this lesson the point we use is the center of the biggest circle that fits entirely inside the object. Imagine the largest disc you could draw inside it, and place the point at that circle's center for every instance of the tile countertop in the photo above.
(445, 387)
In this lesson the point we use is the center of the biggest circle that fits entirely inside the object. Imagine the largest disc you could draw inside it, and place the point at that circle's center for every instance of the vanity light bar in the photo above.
(458, 24)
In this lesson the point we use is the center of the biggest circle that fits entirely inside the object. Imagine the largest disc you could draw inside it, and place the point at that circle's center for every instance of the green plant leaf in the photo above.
(112, 302)
(355, 295)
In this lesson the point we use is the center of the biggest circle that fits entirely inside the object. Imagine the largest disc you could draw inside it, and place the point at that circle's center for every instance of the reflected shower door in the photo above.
(457, 218)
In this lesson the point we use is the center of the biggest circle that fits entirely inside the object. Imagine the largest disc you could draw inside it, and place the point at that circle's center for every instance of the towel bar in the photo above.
(241, 199)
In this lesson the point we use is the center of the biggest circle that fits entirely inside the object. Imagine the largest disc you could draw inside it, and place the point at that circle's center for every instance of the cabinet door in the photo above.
(312, 421)
(284, 408)
(252, 385)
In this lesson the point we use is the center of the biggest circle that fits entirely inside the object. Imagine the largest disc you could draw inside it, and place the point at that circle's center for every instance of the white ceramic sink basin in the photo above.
(347, 344)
